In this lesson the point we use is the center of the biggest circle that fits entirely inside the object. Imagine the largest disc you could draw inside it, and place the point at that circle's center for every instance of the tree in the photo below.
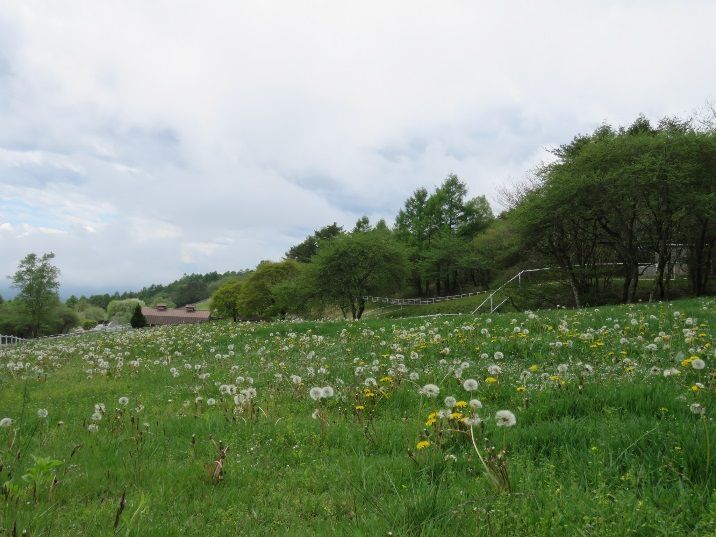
(121, 310)
(304, 251)
(138, 319)
(37, 281)
(257, 296)
(352, 266)
(225, 300)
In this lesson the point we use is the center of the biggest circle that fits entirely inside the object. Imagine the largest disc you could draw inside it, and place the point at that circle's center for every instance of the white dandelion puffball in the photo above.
(5, 422)
(499, 356)
(327, 391)
(475, 403)
(42, 413)
(450, 401)
(494, 370)
(316, 393)
(470, 385)
(505, 418)
(124, 401)
(696, 408)
(211, 401)
(93, 427)
(698, 363)
(430, 390)
(472, 420)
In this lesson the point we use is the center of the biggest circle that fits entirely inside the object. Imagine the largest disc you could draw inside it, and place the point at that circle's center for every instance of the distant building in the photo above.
(161, 315)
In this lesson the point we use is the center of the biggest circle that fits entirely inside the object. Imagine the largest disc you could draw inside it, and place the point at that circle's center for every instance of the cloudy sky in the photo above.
(140, 140)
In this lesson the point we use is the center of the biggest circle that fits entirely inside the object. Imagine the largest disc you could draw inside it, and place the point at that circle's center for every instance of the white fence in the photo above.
(10, 340)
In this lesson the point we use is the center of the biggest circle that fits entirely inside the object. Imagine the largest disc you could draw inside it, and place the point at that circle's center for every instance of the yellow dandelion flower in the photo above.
(521, 389)
(534, 368)
(455, 415)
(430, 422)
(695, 388)
(461, 404)
(554, 378)
(422, 444)
(490, 380)
(360, 407)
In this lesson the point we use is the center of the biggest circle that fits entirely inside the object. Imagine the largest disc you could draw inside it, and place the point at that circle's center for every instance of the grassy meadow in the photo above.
(565, 422)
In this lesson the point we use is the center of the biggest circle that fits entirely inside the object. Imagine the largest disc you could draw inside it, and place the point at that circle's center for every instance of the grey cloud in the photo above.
(221, 135)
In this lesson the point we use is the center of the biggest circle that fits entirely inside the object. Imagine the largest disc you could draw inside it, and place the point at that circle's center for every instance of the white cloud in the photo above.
(162, 137)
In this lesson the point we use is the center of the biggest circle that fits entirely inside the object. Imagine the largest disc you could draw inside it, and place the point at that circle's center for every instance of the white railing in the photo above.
(418, 301)
(10, 340)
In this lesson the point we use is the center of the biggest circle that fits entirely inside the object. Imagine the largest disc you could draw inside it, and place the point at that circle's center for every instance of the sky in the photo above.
(141, 140)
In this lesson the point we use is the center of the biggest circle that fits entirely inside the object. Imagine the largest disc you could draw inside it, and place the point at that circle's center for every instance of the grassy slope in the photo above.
(623, 456)
(203, 305)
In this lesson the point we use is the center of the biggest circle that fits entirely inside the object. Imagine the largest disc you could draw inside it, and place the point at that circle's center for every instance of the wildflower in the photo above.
(327, 392)
(499, 355)
(475, 403)
(698, 363)
(423, 444)
(695, 388)
(490, 380)
(521, 389)
(296, 379)
(316, 393)
(5, 422)
(42, 413)
(414, 376)
(450, 401)
(124, 401)
(494, 370)
(697, 408)
(470, 385)
(472, 420)
(211, 401)
(360, 407)
(534, 368)
(96, 416)
(430, 390)
(505, 418)
(461, 404)
(93, 427)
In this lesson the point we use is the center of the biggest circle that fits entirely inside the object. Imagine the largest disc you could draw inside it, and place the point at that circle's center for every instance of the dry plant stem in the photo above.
(487, 469)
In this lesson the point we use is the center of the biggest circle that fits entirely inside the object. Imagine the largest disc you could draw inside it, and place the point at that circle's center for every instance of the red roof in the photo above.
(156, 316)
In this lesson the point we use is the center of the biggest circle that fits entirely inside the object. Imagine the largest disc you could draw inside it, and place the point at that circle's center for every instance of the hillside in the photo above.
(585, 422)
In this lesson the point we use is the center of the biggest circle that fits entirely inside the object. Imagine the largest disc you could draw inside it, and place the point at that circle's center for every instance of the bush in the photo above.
(88, 324)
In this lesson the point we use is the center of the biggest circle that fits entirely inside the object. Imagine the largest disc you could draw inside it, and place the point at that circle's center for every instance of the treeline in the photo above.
(611, 205)
(627, 197)
(188, 289)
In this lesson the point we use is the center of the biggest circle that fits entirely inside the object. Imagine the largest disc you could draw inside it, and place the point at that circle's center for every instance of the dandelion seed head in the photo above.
(505, 418)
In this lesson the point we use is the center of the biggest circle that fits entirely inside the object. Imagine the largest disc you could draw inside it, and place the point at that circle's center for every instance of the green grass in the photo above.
(613, 452)
(203, 305)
